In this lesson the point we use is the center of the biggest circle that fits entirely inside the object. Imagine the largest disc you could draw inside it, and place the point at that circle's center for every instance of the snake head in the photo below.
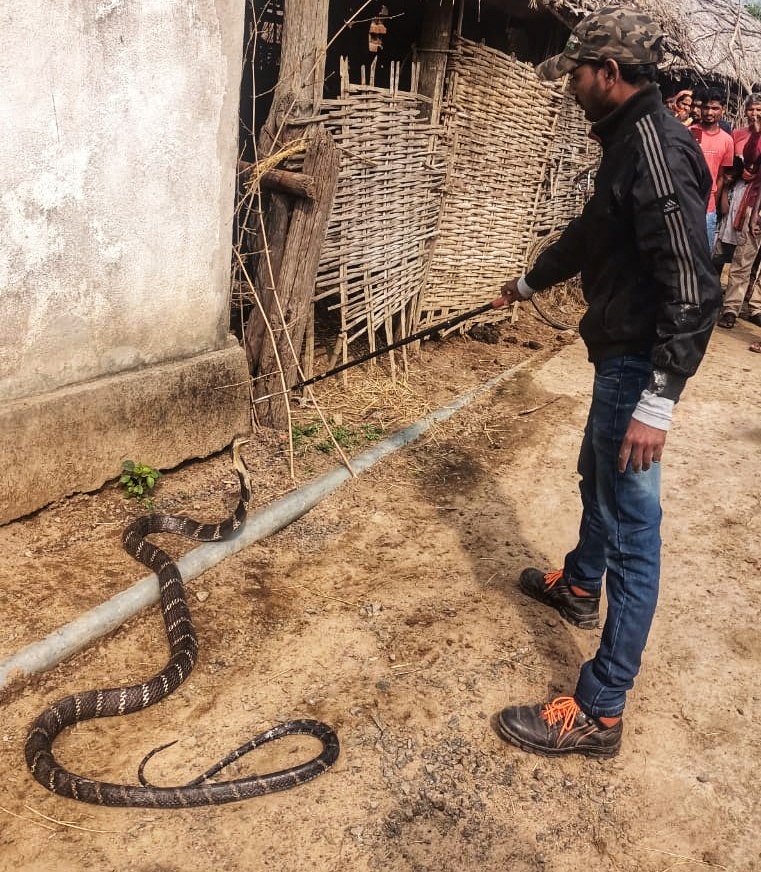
(238, 462)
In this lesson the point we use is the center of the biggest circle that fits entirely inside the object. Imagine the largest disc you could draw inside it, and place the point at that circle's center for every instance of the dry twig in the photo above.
(537, 408)
(28, 820)
(69, 824)
(681, 858)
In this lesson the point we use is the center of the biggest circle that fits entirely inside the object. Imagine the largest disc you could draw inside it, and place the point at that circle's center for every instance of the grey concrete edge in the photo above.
(70, 638)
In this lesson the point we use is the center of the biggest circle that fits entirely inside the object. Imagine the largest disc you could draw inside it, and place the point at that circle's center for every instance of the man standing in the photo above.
(718, 149)
(653, 295)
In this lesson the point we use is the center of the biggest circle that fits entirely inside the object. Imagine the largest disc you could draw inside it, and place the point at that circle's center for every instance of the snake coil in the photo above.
(183, 652)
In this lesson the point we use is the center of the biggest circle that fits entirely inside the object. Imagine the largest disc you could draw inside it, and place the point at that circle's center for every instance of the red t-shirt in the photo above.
(718, 150)
(740, 137)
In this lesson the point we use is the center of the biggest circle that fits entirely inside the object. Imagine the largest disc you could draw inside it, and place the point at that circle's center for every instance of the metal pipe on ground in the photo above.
(67, 640)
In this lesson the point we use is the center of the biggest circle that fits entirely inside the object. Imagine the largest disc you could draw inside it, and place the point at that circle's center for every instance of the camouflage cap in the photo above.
(619, 32)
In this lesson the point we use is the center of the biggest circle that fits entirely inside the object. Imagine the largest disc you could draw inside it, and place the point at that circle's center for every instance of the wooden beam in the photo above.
(297, 95)
(302, 69)
(295, 286)
(295, 184)
(436, 37)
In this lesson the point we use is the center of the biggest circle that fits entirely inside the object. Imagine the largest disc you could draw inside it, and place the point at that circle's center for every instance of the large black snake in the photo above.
(183, 646)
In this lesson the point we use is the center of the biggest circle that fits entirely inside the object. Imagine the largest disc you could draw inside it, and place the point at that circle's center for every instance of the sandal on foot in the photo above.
(727, 320)
(755, 346)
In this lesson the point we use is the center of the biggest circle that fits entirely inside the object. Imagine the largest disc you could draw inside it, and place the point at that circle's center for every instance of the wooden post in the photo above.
(435, 41)
(297, 95)
(302, 69)
(301, 257)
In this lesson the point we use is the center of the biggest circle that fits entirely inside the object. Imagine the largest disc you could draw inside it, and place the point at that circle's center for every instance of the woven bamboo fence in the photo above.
(500, 128)
(385, 211)
(428, 222)
(569, 172)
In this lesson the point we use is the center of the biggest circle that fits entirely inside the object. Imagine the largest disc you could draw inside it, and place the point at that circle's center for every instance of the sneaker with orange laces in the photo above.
(558, 727)
(552, 589)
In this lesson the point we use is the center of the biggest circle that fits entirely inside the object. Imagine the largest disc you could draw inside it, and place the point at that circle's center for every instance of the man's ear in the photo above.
(612, 73)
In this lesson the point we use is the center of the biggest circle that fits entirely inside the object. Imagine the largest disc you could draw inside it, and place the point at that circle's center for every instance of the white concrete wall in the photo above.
(117, 162)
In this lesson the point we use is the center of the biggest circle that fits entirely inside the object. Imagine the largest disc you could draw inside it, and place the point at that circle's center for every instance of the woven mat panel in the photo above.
(499, 121)
(569, 177)
(385, 210)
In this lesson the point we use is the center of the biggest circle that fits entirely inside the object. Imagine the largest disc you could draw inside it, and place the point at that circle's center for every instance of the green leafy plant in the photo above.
(348, 437)
(138, 480)
(300, 431)
(345, 435)
(371, 432)
(754, 9)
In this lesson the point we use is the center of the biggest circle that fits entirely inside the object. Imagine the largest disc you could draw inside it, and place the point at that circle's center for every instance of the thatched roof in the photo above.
(713, 38)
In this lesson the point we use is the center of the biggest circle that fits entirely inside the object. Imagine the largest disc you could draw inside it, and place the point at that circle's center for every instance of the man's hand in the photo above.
(509, 292)
(642, 445)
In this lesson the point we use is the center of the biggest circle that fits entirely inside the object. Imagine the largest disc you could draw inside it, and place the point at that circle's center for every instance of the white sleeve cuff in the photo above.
(524, 288)
(654, 410)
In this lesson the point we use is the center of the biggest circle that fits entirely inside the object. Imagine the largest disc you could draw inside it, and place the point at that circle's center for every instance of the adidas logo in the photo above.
(670, 205)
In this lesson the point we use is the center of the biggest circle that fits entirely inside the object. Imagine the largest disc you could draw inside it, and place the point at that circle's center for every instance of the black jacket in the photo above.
(641, 245)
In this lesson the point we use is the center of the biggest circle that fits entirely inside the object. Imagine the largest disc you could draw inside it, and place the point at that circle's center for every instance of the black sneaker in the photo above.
(558, 727)
(552, 589)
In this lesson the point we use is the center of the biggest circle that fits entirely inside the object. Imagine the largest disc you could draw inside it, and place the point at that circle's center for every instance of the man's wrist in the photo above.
(654, 410)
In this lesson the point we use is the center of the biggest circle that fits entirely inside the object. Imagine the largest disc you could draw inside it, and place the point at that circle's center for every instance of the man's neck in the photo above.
(710, 128)
(610, 122)
(622, 93)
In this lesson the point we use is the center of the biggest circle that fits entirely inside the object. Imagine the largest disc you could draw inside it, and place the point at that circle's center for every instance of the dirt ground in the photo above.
(390, 611)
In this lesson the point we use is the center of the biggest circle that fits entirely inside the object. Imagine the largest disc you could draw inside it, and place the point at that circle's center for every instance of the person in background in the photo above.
(724, 123)
(742, 274)
(683, 104)
(697, 105)
(719, 151)
(670, 104)
(653, 296)
(726, 235)
(740, 135)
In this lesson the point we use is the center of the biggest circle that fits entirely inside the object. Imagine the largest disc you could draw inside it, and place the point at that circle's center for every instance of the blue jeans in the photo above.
(711, 225)
(619, 537)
